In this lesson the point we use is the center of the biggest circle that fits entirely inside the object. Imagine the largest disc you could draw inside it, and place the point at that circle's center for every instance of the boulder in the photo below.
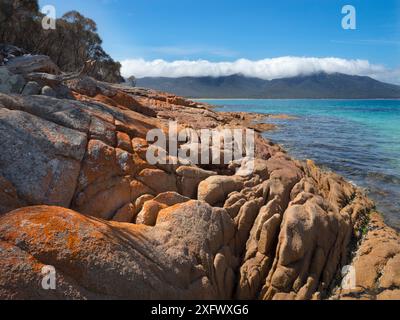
(158, 180)
(140, 201)
(49, 156)
(9, 82)
(48, 91)
(32, 63)
(84, 85)
(148, 214)
(125, 214)
(9, 51)
(215, 189)
(66, 113)
(31, 88)
(150, 209)
(189, 179)
(171, 198)
(172, 260)
(375, 265)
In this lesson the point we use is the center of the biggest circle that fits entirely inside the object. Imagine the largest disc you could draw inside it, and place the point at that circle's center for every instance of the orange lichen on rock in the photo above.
(283, 230)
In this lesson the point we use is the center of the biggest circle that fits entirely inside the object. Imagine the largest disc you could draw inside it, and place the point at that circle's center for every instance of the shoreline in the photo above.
(217, 223)
(379, 180)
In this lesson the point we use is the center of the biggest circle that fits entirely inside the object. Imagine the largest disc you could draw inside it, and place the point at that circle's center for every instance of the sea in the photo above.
(359, 139)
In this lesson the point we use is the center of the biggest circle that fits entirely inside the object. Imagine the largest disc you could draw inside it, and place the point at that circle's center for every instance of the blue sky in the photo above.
(227, 30)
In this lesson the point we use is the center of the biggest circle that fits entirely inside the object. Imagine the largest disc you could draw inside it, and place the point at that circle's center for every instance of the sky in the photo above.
(263, 38)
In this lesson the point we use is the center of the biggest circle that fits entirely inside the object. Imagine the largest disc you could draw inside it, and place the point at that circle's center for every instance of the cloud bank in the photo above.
(266, 69)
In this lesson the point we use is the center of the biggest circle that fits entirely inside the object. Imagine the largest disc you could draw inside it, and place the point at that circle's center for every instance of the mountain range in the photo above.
(315, 86)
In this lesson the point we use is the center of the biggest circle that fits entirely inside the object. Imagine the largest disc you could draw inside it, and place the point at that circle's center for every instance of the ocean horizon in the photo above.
(356, 138)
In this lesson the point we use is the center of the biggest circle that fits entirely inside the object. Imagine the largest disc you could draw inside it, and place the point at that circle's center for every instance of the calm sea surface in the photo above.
(359, 139)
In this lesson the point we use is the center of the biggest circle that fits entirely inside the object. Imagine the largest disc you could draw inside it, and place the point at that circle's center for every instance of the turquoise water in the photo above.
(359, 139)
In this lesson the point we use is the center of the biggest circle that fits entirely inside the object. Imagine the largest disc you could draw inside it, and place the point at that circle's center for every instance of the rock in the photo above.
(9, 82)
(9, 199)
(125, 161)
(253, 167)
(133, 262)
(103, 130)
(282, 230)
(215, 189)
(124, 142)
(138, 189)
(125, 214)
(48, 91)
(150, 209)
(299, 240)
(84, 85)
(66, 113)
(375, 264)
(140, 201)
(158, 180)
(48, 162)
(44, 79)
(310, 250)
(268, 234)
(148, 215)
(102, 186)
(53, 81)
(190, 177)
(99, 164)
(140, 146)
(9, 51)
(31, 88)
(32, 63)
(171, 198)
(244, 222)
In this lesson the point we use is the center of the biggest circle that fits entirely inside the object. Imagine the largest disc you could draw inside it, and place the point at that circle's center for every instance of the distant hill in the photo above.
(316, 86)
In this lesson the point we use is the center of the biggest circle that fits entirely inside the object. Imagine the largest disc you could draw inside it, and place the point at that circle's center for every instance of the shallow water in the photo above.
(359, 139)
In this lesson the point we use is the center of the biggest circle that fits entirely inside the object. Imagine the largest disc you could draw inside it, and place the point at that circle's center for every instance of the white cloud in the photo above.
(265, 69)
(389, 76)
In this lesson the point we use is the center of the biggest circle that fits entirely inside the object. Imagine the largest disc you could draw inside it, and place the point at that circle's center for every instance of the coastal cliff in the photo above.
(77, 193)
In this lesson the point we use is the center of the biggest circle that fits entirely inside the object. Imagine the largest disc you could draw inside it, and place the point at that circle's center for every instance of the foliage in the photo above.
(74, 41)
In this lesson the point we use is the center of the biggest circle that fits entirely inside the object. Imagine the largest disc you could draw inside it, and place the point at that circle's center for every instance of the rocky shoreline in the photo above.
(77, 193)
